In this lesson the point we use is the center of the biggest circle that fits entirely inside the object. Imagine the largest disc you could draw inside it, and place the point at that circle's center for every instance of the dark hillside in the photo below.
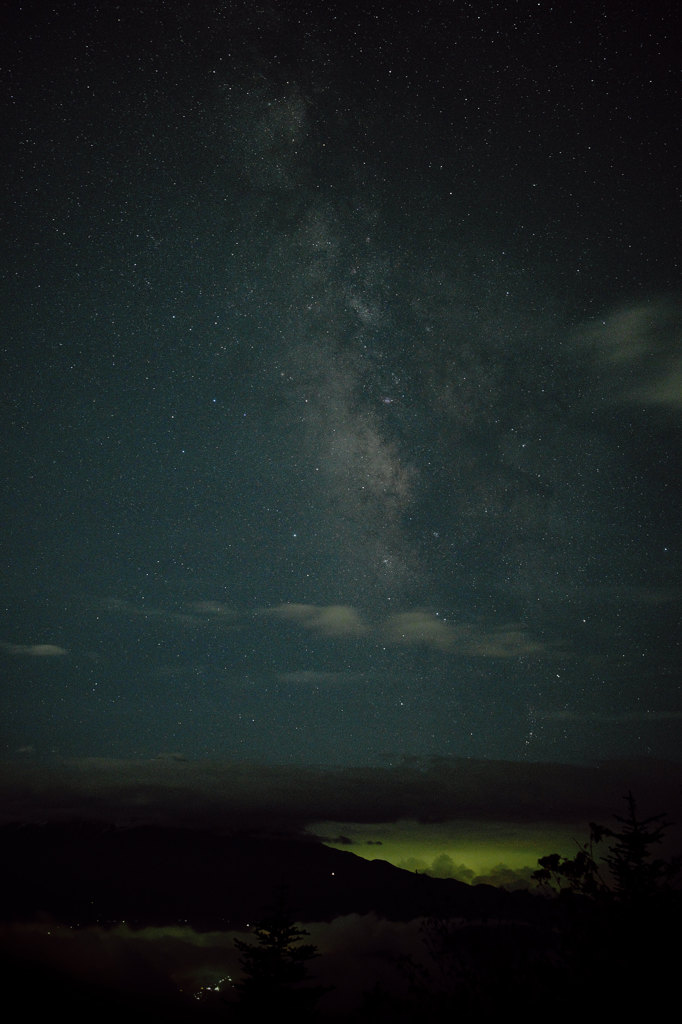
(85, 873)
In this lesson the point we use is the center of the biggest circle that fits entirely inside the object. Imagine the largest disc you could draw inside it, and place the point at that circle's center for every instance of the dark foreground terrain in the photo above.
(86, 873)
(438, 948)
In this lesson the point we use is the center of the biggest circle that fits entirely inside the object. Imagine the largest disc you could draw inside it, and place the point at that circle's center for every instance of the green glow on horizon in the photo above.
(472, 851)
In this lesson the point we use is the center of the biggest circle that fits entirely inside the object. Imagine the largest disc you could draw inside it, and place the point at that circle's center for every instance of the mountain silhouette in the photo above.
(87, 873)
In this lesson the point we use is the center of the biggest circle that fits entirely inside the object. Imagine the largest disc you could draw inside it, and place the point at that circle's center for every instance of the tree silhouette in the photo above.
(275, 968)
(628, 872)
(620, 910)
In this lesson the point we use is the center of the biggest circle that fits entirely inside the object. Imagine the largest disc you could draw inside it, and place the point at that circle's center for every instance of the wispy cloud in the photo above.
(641, 346)
(428, 629)
(336, 620)
(414, 628)
(35, 650)
(169, 788)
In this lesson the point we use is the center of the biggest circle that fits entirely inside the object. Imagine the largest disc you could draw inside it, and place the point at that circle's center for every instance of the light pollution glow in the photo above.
(471, 851)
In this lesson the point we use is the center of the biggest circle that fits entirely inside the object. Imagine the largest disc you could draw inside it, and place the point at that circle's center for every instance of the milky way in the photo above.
(342, 390)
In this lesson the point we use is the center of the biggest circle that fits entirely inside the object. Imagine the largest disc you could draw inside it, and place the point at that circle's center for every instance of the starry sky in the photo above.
(342, 381)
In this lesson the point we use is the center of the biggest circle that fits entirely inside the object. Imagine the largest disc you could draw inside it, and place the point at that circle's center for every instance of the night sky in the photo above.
(341, 381)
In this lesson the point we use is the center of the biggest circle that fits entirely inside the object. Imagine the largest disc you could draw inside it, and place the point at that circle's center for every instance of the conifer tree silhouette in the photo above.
(628, 872)
(275, 967)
